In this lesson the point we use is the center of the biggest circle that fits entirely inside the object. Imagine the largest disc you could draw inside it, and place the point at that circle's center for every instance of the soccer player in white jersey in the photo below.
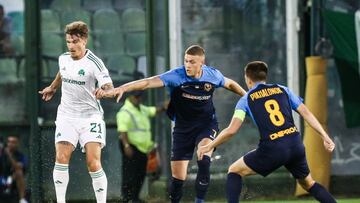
(79, 116)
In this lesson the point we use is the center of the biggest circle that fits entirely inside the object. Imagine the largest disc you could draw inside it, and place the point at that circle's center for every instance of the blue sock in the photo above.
(203, 177)
(233, 187)
(321, 194)
(176, 190)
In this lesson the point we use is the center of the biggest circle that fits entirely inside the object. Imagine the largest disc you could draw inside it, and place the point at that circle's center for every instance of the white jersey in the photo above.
(79, 80)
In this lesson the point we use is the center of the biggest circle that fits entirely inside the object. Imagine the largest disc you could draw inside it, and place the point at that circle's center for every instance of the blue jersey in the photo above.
(191, 98)
(270, 106)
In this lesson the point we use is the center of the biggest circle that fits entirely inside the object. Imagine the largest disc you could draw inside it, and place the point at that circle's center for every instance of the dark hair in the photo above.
(78, 28)
(195, 50)
(256, 71)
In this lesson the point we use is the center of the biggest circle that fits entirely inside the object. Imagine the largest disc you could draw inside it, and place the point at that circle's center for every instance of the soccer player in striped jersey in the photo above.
(191, 107)
(79, 116)
(270, 106)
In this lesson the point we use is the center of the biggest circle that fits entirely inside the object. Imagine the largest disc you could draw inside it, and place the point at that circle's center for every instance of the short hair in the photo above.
(256, 71)
(195, 50)
(78, 28)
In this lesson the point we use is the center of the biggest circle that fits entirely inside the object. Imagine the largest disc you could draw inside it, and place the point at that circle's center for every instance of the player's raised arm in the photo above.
(49, 91)
(224, 136)
(314, 123)
(234, 87)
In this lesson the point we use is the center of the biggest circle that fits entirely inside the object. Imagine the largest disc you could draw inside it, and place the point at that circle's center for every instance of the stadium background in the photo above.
(150, 36)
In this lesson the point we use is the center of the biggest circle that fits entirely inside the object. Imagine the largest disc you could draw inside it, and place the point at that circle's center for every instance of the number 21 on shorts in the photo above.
(95, 128)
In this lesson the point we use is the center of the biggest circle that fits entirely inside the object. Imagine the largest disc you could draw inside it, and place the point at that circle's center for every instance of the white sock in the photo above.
(99, 182)
(61, 180)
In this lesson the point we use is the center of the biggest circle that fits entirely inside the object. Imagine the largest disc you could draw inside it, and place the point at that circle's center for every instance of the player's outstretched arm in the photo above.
(234, 87)
(146, 83)
(314, 123)
(49, 91)
(224, 136)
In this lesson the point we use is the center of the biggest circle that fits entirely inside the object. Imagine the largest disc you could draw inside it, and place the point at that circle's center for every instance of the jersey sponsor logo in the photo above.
(99, 137)
(189, 96)
(81, 72)
(207, 87)
(71, 81)
(63, 68)
(265, 93)
(58, 135)
(282, 133)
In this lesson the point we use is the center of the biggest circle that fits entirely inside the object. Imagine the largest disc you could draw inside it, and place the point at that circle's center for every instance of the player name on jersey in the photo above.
(265, 93)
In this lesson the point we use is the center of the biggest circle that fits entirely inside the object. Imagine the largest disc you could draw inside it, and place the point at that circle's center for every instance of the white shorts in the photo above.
(80, 131)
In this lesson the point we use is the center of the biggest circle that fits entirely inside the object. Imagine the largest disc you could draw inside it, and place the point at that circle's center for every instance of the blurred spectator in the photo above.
(6, 48)
(12, 169)
(133, 123)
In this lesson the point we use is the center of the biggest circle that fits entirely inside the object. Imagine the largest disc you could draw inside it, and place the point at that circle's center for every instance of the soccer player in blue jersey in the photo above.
(270, 106)
(191, 89)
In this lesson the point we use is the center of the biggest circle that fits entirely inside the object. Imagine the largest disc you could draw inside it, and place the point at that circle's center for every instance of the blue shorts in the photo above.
(187, 137)
(267, 159)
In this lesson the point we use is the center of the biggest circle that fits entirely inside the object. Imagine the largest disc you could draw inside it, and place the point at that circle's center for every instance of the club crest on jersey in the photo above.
(81, 72)
(207, 87)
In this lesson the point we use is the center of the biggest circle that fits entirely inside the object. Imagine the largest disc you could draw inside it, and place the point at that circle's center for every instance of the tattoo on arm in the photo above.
(107, 86)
